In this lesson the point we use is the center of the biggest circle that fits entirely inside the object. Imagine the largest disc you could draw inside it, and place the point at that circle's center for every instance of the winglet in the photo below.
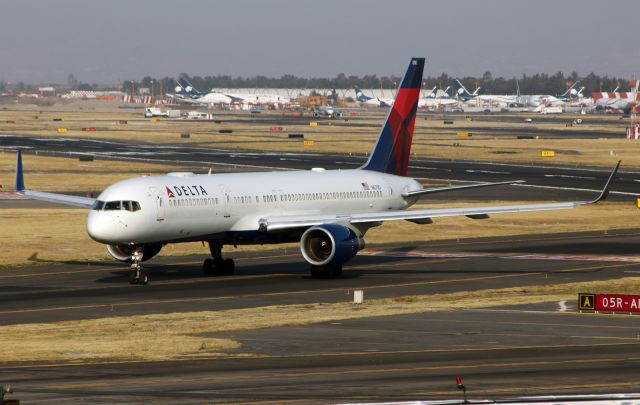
(19, 184)
(607, 187)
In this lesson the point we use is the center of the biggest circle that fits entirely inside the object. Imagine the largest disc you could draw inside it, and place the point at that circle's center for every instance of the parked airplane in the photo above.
(186, 93)
(258, 98)
(328, 211)
(436, 99)
(185, 90)
(466, 96)
(372, 101)
(615, 101)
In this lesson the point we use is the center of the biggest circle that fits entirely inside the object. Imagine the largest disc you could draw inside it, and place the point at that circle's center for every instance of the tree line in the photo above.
(540, 83)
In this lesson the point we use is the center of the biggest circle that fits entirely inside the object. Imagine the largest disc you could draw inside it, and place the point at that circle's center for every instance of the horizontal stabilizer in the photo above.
(456, 188)
(65, 199)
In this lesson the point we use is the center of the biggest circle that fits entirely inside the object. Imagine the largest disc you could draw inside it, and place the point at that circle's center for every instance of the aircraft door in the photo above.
(225, 201)
(160, 203)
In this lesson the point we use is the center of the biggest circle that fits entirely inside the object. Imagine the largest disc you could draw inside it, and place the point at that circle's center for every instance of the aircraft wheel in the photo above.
(315, 271)
(208, 266)
(229, 266)
(335, 271)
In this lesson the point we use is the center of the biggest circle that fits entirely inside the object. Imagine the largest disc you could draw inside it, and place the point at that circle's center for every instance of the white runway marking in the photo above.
(562, 306)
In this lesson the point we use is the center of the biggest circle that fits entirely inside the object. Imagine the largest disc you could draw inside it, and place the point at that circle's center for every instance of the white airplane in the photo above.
(186, 93)
(258, 99)
(327, 211)
(372, 101)
(436, 99)
(467, 97)
(327, 111)
(624, 102)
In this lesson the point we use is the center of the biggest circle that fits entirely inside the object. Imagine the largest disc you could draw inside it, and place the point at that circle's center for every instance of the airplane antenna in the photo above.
(209, 172)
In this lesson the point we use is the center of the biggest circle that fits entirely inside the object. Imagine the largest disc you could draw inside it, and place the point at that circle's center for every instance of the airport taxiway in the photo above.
(501, 352)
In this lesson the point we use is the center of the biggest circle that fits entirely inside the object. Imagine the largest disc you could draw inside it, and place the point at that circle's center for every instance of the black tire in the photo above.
(229, 266)
(335, 271)
(144, 278)
(315, 271)
(208, 267)
(132, 277)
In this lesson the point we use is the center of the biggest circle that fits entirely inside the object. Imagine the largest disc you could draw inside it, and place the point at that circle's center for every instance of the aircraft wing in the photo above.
(20, 188)
(424, 216)
(234, 98)
(274, 223)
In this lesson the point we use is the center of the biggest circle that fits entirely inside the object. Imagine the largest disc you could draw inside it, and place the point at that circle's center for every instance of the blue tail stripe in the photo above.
(19, 183)
(413, 80)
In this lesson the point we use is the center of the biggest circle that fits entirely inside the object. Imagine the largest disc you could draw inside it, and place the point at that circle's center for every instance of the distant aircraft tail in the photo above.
(360, 95)
(184, 88)
(392, 149)
(462, 92)
(571, 91)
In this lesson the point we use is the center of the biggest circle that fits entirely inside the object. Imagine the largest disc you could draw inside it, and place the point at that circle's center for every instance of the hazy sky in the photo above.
(108, 41)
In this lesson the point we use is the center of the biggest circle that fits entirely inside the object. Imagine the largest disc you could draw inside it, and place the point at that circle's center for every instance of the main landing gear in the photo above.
(217, 265)
(136, 274)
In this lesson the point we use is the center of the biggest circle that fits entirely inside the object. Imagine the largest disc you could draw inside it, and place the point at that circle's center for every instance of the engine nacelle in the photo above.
(330, 244)
(123, 252)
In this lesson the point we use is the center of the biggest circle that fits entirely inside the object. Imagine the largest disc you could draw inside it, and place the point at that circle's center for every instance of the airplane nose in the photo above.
(99, 227)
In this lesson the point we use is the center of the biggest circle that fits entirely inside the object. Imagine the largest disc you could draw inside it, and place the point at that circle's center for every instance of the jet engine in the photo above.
(330, 245)
(123, 252)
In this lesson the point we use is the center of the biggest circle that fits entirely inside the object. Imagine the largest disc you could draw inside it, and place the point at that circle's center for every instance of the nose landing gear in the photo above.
(136, 274)
(217, 265)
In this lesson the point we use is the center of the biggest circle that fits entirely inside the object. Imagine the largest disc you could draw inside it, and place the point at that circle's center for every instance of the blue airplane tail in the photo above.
(462, 92)
(391, 151)
(184, 88)
(360, 96)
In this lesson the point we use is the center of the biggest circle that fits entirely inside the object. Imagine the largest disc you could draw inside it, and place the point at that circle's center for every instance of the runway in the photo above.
(543, 182)
(505, 351)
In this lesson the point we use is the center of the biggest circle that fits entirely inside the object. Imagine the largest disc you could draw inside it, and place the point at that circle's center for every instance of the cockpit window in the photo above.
(131, 205)
(98, 205)
(112, 205)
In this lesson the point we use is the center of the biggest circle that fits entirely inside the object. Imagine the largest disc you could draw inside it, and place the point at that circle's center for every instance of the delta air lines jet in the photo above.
(327, 211)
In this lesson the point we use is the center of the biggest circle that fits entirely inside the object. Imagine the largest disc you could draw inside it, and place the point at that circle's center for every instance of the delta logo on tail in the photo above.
(391, 153)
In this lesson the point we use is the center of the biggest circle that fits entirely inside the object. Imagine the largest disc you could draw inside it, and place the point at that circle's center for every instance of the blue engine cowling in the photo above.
(330, 245)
